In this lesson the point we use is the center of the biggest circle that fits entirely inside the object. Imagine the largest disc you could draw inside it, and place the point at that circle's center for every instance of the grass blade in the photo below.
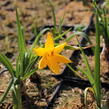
(61, 35)
(28, 74)
(97, 65)
(89, 74)
(30, 65)
(53, 13)
(5, 61)
(78, 33)
(60, 24)
(38, 37)
(7, 90)
(21, 40)
(74, 71)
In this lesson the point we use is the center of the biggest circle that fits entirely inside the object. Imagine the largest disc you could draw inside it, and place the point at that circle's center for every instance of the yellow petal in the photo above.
(49, 42)
(39, 51)
(42, 63)
(61, 59)
(59, 48)
(53, 65)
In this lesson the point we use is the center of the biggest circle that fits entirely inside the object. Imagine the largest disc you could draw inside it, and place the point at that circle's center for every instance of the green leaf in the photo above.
(28, 74)
(30, 65)
(71, 47)
(74, 71)
(53, 13)
(82, 71)
(5, 61)
(89, 74)
(105, 27)
(22, 47)
(7, 90)
(20, 30)
(78, 33)
(60, 24)
(18, 69)
(61, 35)
(97, 87)
(20, 65)
(38, 38)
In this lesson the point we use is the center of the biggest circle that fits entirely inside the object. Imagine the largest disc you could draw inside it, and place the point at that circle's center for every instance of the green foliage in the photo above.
(97, 85)
(6, 91)
(101, 12)
(5, 61)
(88, 73)
(21, 40)
(54, 16)
(24, 66)
(94, 77)
(26, 60)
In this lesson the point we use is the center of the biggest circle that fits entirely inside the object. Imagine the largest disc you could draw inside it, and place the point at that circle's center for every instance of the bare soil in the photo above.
(35, 13)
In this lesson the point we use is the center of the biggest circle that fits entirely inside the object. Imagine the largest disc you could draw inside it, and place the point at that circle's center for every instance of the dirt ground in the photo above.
(35, 13)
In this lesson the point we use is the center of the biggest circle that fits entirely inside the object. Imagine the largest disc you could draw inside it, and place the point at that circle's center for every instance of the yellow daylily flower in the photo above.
(50, 55)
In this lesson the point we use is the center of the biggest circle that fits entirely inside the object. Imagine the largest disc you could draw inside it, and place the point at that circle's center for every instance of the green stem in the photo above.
(17, 98)
(97, 85)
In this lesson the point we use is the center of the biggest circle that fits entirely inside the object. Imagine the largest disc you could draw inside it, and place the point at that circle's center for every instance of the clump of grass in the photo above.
(101, 27)
(25, 62)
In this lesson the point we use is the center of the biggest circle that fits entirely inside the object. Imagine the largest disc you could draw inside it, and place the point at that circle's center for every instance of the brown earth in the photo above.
(35, 13)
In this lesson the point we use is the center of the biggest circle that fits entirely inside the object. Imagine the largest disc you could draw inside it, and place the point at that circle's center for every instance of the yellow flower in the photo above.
(50, 55)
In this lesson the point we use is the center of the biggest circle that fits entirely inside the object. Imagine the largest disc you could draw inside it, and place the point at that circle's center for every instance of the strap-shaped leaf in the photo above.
(53, 13)
(89, 74)
(61, 35)
(30, 65)
(38, 38)
(20, 65)
(97, 87)
(20, 30)
(5, 61)
(28, 74)
(7, 90)
(74, 71)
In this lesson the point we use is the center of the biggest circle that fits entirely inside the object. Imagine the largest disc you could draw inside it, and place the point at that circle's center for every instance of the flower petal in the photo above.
(59, 48)
(49, 42)
(42, 63)
(53, 65)
(61, 59)
(39, 51)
